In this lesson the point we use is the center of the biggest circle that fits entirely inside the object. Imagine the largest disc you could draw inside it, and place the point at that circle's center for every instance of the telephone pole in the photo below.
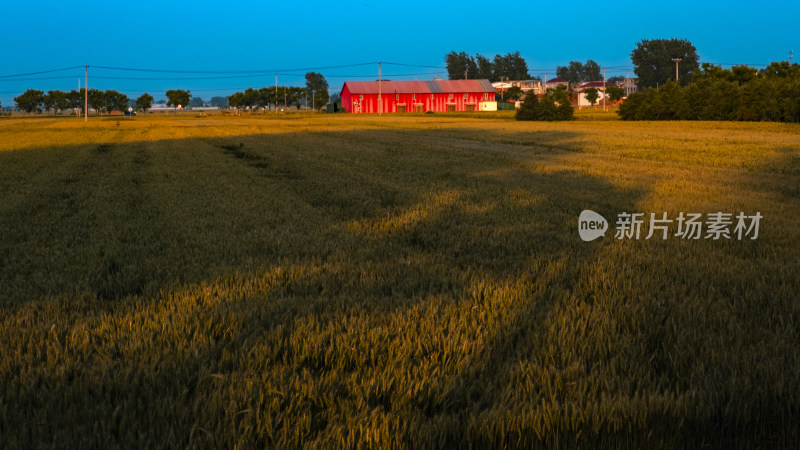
(86, 96)
(677, 61)
(604, 89)
(276, 93)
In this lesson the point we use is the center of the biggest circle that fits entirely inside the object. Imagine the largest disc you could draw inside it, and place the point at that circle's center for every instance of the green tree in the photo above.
(75, 99)
(573, 73)
(485, 68)
(197, 102)
(511, 65)
(782, 69)
(652, 61)
(318, 88)
(615, 93)
(528, 110)
(592, 95)
(98, 100)
(591, 71)
(30, 100)
(514, 93)
(144, 102)
(177, 97)
(236, 100)
(116, 101)
(458, 64)
(296, 95)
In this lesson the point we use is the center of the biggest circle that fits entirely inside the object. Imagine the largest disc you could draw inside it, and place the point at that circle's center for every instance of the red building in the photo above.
(418, 96)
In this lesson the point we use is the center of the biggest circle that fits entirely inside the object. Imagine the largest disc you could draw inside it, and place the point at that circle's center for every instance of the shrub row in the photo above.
(554, 105)
(760, 99)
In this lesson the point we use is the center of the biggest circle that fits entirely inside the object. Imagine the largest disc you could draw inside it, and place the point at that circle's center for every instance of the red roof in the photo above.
(419, 87)
(557, 80)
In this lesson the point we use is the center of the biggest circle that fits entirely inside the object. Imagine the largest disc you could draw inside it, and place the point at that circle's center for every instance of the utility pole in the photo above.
(380, 100)
(544, 85)
(276, 93)
(312, 101)
(86, 96)
(626, 84)
(605, 108)
(284, 98)
(677, 61)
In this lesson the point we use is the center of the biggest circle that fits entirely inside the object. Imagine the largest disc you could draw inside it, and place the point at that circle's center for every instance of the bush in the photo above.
(554, 105)
(717, 94)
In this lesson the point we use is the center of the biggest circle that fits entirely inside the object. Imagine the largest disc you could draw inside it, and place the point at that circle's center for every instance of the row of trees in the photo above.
(576, 72)
(258, 98)
(652, 60)
(315, 93)
(740, 93)
(554, 105)
(462, 66)
(33, 100)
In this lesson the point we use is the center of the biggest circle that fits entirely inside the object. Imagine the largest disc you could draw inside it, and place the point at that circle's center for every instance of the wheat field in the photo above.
(308, 280)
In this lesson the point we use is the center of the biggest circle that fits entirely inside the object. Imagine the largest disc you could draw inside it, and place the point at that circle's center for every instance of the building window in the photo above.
(466, 96)
(397, 96)
(451, 96)
(485, 95)
(431, 96)
(413, 96)
(361, 97)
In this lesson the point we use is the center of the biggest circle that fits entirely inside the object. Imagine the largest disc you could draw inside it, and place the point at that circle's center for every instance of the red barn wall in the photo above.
(368, 103)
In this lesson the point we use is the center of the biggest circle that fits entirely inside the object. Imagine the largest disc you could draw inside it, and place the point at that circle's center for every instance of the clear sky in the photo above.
(291, 37)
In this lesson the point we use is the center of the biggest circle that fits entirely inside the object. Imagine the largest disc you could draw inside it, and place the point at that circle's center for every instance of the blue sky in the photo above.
(206, 35)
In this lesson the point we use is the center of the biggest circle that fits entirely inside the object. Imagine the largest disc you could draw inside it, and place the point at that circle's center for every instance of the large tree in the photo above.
(144, 102)
(573, 73)
(653, 61)
(56, 100)
(30, 100)
(461, 66)
(236, 100)
(592, 71)
(511, 65)
(485, 68)
(75, 99)
(592, 95)
(117, 101)
(98, 100)
(577, 71)
(316, 82)
(197, 102)
(177, 97)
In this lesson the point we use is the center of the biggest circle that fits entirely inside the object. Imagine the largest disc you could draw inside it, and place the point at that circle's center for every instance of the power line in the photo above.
(41, 72)
(268, 71)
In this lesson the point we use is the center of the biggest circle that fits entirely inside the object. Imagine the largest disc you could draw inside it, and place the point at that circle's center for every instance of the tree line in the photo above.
(32, 100)
(740, 93)
(461, 66)
(315, 93)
